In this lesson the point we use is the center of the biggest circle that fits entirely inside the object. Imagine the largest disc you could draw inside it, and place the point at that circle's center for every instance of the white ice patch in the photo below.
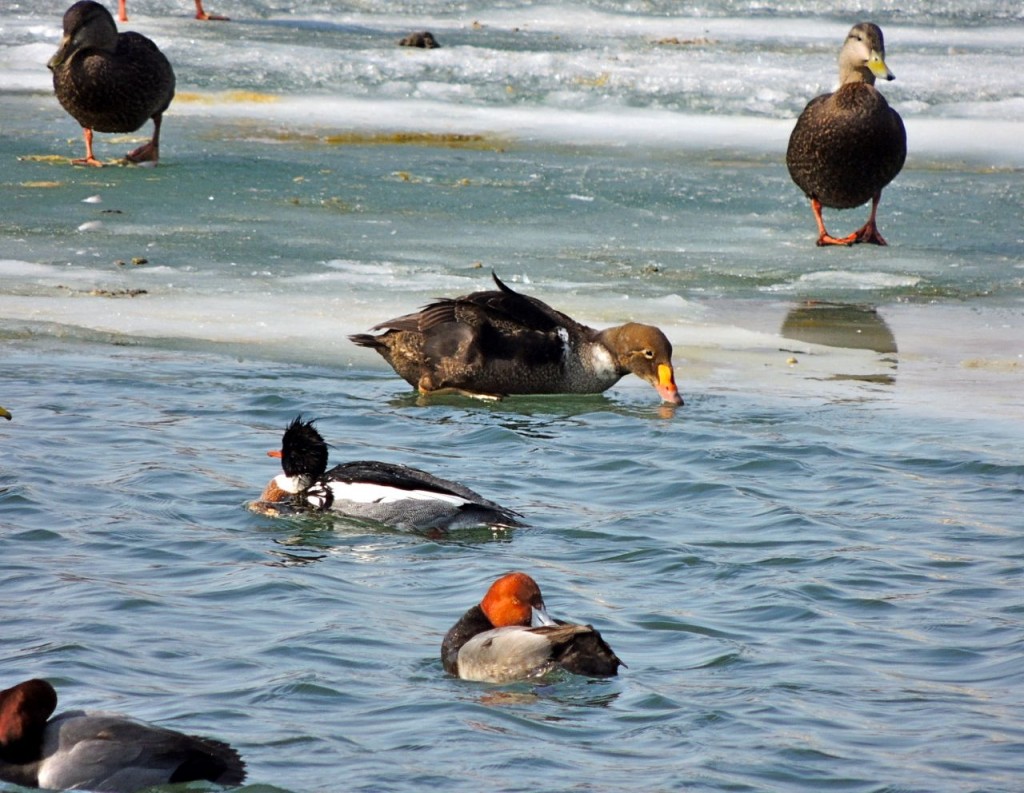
(845, 279)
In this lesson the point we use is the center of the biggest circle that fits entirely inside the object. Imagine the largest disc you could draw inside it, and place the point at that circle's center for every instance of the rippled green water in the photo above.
(808, 596)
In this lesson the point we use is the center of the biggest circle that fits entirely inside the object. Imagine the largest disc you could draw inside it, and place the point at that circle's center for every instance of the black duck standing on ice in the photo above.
(110, 81)
(848, 145)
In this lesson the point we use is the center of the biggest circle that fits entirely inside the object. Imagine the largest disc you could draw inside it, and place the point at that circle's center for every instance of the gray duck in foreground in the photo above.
(103, 752)
(848, 145)
(488, 344)
(110, 81)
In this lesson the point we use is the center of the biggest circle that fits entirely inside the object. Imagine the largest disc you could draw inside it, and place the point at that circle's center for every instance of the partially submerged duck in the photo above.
(122, 12)
(489, 344)
(848, 145)
(396, 495)
(510, 636)
(423, 39)
(110, 81)
(102, 752)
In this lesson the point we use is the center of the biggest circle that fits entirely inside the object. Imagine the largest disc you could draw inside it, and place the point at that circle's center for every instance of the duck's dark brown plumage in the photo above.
(423, 39)
(110, 81)
(848, 145)
(501, 342)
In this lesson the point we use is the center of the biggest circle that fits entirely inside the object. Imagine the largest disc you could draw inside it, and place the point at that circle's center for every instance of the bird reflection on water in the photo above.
(850, 326)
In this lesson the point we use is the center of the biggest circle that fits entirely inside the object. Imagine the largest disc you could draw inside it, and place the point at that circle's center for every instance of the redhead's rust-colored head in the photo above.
(24, 709)
(512, 600)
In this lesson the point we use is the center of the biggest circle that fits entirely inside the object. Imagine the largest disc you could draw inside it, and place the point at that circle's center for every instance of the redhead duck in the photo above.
(489, 344)
(110, 81)
(100, 751)
(509, 636)
(848, 145)
(399, 496)
(122, 12)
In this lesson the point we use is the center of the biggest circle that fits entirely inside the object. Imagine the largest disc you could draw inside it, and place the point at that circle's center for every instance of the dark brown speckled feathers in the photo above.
(848, 145)
(501, 342)
(110, 81)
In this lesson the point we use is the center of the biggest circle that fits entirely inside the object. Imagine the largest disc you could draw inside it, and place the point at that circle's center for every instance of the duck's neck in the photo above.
(24, 774)
(615, 339)
(854, 73)
(294, 484)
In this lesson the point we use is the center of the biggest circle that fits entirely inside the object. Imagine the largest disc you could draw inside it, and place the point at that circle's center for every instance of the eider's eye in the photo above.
(648, 354)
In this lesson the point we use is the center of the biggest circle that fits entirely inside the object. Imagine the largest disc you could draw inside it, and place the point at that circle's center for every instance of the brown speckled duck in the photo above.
(848, 145)
(110, 81)
(122, 12)
(488, 344)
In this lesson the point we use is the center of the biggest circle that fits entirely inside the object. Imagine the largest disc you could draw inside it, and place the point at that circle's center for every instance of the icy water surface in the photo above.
(813, 569)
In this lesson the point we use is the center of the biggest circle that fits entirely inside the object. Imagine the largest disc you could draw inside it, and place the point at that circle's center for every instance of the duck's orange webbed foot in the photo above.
(204, 16)
(87, 161)
(828, 239)
(427, 389)
(824, 238)
(145, 153)
(869, 233)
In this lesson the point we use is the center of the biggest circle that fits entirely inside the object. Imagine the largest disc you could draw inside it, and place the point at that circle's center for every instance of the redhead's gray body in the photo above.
(510, 636)
(114, 754)
(102, 752)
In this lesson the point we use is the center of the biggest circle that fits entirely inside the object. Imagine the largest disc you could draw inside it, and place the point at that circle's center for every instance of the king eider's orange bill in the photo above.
(667, 385)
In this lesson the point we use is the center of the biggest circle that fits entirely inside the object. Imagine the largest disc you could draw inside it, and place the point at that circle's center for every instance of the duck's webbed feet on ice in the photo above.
(88, 159)
(148, 152)
(867, 233)
(206, 17)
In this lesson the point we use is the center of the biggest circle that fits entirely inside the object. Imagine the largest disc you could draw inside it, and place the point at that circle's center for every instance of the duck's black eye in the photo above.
(648, 354)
